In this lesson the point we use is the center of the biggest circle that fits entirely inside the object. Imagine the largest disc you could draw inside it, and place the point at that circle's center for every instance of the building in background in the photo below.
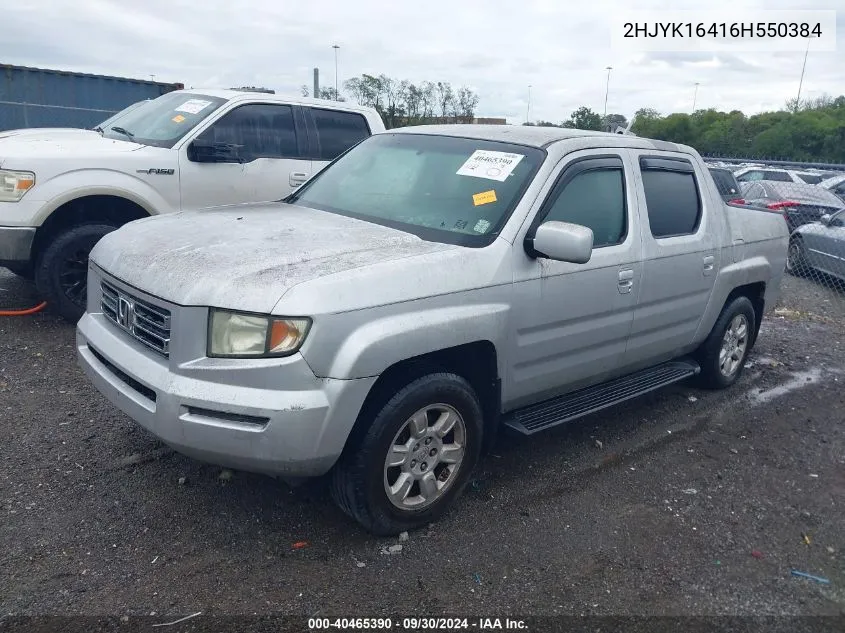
(38, 97)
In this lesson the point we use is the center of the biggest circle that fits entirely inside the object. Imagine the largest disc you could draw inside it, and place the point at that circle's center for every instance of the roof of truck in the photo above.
(534, 136)
(233, 94)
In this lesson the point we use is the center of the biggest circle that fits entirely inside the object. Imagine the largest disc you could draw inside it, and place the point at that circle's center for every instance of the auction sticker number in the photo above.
(491, 165)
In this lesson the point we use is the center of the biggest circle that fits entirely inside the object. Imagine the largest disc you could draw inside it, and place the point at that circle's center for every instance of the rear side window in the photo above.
(750, 176)
(671, 193)
(810, 179)
(338, 131)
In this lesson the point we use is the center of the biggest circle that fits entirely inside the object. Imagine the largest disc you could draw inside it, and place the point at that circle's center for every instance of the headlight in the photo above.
(13, 184)
(236, 334)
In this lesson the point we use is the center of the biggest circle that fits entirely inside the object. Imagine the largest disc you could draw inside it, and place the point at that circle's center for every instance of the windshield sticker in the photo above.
(481, 226)
(178, 118)
(193, 106)
(485, 197)
(490, 165)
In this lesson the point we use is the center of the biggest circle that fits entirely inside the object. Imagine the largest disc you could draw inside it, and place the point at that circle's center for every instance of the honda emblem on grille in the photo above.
(125, 313)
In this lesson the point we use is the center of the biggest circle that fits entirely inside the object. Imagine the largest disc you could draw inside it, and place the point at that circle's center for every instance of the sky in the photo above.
(561, 48)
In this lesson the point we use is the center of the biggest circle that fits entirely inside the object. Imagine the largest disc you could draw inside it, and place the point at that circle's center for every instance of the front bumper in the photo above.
(290, 423)
(15, 244)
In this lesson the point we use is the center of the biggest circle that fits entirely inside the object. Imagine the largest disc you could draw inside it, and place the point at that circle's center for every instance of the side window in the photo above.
(810, 179)
(595, 198)
(839, 189)
(671, 194)
(257, 130)
(750, 176)
(338, 131)
(778, 176)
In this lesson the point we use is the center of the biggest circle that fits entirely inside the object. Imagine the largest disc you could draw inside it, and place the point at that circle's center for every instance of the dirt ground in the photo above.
(684, 502)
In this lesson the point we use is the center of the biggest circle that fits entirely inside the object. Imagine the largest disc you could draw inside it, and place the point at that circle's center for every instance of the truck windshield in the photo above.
(441, 188)
(162, 121)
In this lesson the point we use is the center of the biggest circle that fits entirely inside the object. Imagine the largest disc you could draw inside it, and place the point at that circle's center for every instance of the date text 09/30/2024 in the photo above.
(417, 624)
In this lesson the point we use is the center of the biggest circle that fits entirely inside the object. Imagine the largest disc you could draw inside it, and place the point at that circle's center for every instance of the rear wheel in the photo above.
(415, 458)
(61, 274)
(796, 258)
(722, 355)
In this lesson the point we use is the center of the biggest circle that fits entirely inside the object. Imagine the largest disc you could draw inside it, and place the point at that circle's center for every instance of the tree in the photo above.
(467, 102)
(304, 90)
(445, 96)
(612, 120)
(331, 94)
(584, 119)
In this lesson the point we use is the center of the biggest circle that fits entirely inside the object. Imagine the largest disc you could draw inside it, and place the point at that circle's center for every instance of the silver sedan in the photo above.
(819, 246)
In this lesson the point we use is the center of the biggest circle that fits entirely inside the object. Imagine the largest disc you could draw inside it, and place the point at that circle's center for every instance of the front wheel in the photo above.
(722, 355)
(61, 274)
(415, 458)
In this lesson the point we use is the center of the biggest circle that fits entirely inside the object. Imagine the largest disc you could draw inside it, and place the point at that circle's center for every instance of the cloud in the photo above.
(498, 48)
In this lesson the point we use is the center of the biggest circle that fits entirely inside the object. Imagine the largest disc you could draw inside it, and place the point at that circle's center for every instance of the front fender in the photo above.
(98, 182)
(375, 344)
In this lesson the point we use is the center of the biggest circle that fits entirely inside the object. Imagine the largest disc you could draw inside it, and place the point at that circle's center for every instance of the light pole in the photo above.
(528, 109)
(607, 89)
(801, 81)
(336, 93)
(694, 97)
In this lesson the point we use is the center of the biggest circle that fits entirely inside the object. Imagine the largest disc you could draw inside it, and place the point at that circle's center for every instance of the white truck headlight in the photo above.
(242, 335)
(13, 184)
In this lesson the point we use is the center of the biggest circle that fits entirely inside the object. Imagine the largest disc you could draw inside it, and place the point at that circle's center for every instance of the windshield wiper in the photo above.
(99, 129)
(123, 131)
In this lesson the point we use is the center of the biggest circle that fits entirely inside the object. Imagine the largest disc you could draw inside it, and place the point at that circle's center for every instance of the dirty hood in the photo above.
(246, 257)
(58, 143)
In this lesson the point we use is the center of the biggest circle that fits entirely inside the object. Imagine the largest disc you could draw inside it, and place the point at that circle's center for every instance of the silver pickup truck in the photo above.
(430, 287)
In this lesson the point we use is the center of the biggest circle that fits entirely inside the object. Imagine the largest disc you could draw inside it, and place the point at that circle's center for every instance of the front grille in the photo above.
(143, 321)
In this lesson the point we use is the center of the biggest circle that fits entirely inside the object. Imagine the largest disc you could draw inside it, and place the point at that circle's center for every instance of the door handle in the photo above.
(708, 264)
(626, 280)
(297, 178)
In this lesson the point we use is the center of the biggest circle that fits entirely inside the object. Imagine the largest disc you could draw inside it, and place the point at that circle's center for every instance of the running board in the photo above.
(543, 415)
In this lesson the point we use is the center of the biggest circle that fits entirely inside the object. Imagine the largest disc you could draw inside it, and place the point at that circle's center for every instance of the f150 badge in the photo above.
(157, 172)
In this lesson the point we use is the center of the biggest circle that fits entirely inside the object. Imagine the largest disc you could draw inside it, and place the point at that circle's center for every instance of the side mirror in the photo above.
(563, 242)
(202, 151)
(825, 219)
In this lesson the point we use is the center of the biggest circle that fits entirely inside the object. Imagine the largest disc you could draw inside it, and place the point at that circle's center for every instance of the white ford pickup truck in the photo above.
(61, 190)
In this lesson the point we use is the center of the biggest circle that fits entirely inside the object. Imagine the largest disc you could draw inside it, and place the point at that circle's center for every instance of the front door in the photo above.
(680, 227)
(572, 321)
(267, 145)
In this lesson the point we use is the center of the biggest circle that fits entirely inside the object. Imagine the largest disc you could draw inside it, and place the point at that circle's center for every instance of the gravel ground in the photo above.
(684, 502)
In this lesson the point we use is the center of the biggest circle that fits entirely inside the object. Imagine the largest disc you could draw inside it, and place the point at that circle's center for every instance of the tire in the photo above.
(796, 258)
(716, 373)
(61, 273)
(360, 479)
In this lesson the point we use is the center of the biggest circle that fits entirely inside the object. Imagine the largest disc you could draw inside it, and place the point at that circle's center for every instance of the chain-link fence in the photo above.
(814, 283)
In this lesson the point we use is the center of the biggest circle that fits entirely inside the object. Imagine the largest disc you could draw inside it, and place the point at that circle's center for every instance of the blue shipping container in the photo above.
(35, 97)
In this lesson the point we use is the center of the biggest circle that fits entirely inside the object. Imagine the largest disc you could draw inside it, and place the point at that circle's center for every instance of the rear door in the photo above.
(331, 132)
(270, 143)
(681, 230)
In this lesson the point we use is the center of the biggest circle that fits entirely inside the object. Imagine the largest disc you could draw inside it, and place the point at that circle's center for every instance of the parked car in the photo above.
(798, 203)
(819, 246)
(835, 185)
(727, 184)
(62, 190)
(751, 174)
(430, 286)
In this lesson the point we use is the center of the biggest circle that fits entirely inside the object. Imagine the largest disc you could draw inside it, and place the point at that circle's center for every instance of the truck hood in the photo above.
(56, 143)
(246, 257)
